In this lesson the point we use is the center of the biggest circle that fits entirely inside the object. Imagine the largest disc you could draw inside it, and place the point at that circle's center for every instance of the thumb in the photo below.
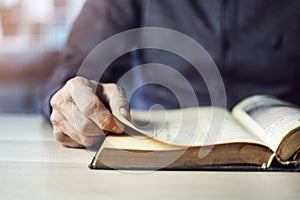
(124, 111)
(117, 100)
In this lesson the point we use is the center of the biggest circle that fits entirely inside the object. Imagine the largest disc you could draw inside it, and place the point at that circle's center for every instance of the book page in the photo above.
(269, 118)
(189, 127)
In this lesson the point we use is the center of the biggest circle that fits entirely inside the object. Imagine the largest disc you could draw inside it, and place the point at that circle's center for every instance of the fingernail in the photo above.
(124, 112)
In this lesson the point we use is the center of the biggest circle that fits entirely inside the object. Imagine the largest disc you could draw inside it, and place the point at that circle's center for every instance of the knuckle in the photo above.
(119, 89)
(60, 137)
(77, 79)
(90, 109)
(73, 80)
(112, 87)
(57, 105)
(56, 101)
(54, 120)
(70, 83)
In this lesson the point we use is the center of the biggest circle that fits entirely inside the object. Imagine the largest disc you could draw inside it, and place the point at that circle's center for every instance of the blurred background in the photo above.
(32, 33)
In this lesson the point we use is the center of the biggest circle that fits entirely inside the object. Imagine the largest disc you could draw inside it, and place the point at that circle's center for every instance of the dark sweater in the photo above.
(254, 43)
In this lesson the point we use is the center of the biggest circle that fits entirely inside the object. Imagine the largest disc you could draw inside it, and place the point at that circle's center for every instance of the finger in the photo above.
(58, 119)
(90, 106)
(62, 129)
(60, 136)
(117, 100)
(86, 141)
(67, 134)
(84, 131)
(75, 125)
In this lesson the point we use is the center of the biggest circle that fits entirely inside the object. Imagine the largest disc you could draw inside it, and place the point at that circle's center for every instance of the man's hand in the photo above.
(80, 116)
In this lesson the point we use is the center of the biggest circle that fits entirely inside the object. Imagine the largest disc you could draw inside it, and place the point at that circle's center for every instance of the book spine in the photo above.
(268, 165)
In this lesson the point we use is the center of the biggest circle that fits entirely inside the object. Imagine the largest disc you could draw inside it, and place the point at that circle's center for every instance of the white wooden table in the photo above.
(34, 166)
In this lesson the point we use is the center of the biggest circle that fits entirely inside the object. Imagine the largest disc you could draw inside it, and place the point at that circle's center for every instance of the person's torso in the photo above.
(255, 45)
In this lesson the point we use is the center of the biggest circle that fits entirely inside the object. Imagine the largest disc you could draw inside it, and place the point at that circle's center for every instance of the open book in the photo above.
(260, 131)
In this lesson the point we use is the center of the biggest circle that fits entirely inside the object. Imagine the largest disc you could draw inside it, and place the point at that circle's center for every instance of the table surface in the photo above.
(34, 166)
